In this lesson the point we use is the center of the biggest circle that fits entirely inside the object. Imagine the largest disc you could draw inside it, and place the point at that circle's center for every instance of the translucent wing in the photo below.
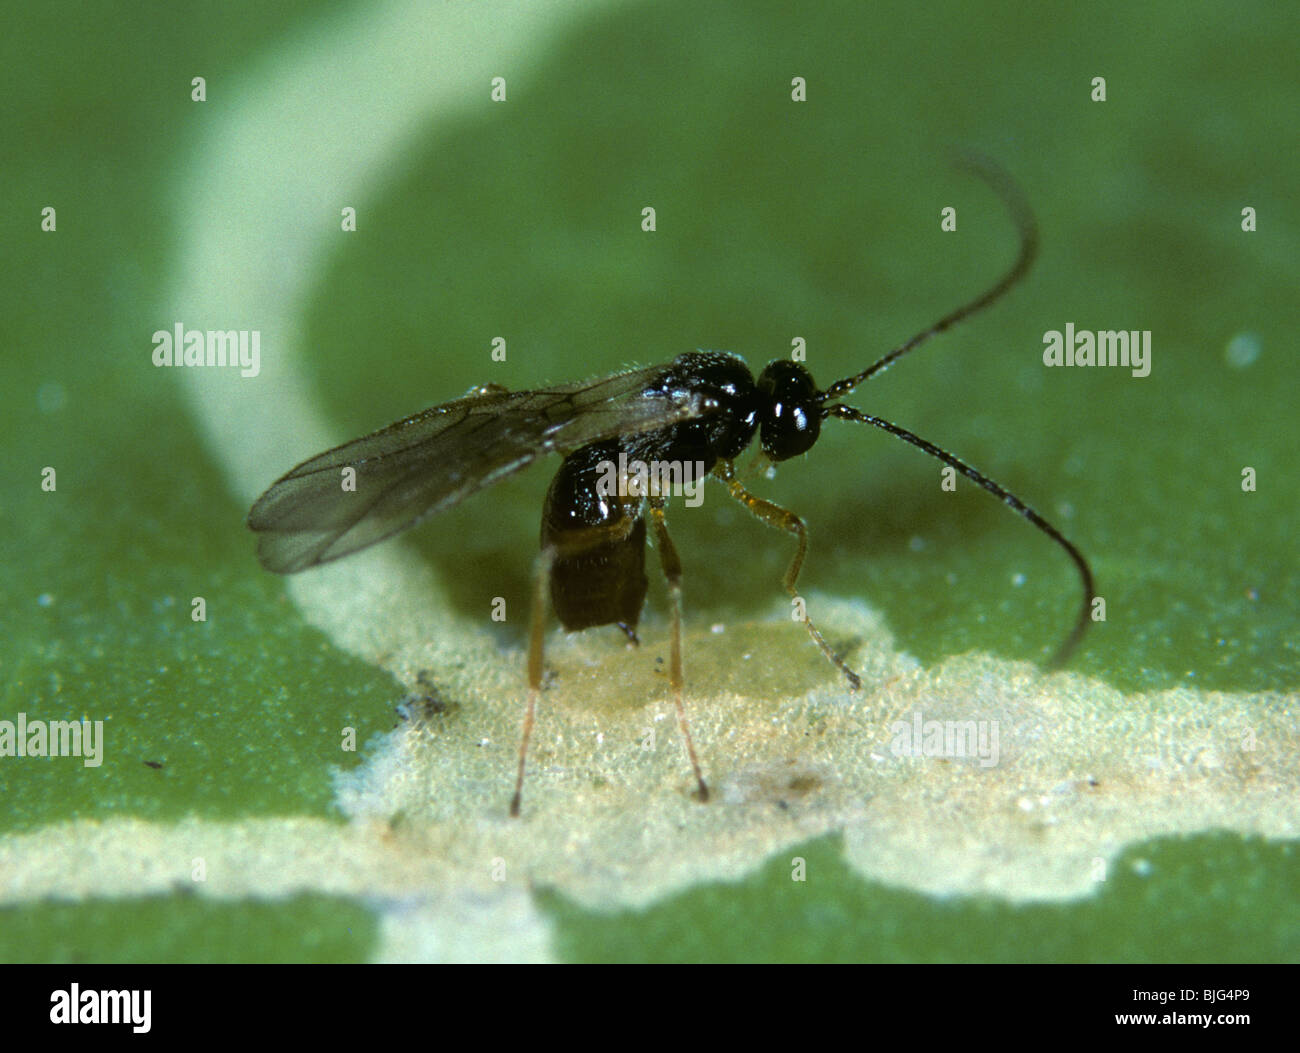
(435, 459)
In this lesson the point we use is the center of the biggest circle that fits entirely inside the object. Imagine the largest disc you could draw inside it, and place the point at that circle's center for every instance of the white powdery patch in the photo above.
(1080, 769)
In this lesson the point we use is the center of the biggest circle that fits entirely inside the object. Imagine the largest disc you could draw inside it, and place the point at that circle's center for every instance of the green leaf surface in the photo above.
(775, 220)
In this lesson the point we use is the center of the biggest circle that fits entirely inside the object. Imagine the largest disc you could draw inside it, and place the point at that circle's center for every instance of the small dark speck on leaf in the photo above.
(424, 704)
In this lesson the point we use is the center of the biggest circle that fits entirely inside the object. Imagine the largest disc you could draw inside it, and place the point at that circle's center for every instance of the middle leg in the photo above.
(672, 566)
(536, 635)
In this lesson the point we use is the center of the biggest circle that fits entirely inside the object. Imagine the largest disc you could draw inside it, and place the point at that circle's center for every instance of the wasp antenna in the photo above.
(1007, 498)
(1014, 199)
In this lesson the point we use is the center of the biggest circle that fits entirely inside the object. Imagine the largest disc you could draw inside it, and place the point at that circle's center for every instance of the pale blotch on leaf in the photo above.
(790, 753)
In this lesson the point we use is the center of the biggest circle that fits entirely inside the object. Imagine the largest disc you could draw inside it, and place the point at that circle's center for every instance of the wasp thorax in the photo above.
(791, 418)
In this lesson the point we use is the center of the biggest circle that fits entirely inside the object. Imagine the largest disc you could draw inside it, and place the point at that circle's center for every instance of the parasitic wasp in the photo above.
(704, 408)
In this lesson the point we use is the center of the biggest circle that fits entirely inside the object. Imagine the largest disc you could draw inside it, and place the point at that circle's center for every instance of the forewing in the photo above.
(435, 459)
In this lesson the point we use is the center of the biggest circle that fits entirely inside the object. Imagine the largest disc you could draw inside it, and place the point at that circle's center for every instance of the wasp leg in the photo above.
(783, 519)
(672, 566)
(536, 635)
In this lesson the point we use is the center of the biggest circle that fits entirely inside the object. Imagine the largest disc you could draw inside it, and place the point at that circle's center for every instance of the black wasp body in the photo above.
(703, 409)
(598, 537)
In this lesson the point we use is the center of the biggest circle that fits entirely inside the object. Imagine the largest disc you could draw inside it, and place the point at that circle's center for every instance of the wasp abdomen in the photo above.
(597, 538)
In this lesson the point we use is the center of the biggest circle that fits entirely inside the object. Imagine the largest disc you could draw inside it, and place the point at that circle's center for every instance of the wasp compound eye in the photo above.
(791, 417)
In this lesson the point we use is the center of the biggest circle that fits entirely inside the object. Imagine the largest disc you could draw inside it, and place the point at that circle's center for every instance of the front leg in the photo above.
(783, 519)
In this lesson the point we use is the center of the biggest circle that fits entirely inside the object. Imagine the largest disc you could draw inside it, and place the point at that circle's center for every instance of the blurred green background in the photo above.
(775, 220)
